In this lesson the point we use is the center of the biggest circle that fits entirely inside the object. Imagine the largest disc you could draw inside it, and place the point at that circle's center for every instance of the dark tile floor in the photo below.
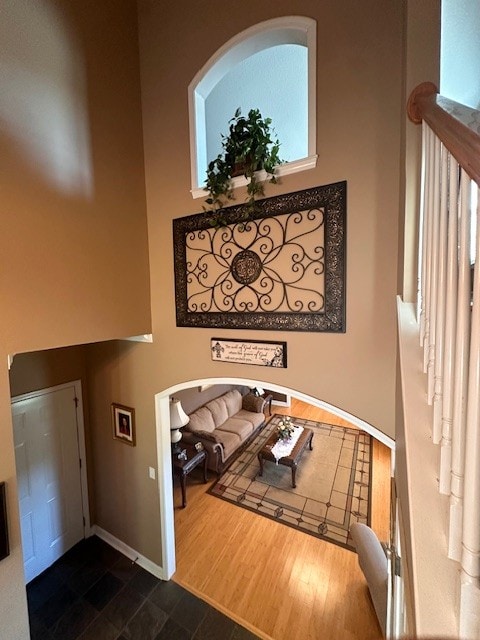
(95, 593)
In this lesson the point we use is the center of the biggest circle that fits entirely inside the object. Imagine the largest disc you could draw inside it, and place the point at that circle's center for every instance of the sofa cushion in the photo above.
(242, 428)
(233, 401)
(230, 441)
(255, 418)
(211, 436)
(218, 409)
(201, 420)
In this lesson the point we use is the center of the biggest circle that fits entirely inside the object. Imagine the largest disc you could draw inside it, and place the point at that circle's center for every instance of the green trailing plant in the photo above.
(249, 147)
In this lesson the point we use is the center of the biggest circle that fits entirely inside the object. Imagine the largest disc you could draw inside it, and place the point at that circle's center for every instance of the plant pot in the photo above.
(239, 168)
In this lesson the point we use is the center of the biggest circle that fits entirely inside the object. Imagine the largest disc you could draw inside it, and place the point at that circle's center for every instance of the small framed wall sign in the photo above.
(264, 353)
(4, 546)
(123, 424)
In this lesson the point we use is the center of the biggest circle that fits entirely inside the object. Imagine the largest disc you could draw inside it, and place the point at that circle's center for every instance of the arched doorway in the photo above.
(164, 464)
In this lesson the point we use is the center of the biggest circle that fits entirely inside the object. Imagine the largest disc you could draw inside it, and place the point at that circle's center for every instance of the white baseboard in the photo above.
(133, 555)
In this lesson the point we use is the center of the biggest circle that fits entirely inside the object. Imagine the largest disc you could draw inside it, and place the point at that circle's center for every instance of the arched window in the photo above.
(272, 67)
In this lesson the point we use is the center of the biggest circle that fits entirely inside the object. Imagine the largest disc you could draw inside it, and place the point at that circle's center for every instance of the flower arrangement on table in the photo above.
(285, 429)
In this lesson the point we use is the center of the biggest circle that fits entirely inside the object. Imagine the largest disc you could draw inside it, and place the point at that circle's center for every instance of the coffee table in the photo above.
(292, 459)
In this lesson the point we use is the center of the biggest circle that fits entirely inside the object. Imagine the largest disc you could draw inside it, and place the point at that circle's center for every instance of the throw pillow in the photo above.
(253, 403)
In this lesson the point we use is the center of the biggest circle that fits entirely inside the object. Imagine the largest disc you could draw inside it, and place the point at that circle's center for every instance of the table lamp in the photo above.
(178, 418)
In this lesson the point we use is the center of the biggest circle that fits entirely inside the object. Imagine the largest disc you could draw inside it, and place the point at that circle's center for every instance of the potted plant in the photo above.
(249, 147)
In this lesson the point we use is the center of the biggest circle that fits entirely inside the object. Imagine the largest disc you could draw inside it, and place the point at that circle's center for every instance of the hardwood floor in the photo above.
(278, 582)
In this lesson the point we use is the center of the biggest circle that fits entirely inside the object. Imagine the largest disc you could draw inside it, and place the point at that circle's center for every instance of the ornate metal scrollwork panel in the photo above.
(282, 270)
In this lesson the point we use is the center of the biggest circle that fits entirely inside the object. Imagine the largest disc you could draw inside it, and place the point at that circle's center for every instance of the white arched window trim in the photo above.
(286, 30)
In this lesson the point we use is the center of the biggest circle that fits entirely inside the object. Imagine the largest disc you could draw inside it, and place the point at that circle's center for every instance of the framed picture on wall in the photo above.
(123, 423)
(264, 353)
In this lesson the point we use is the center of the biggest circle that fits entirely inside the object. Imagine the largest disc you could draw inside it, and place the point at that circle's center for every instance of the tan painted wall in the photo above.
(359, 89)
(73, 268)
(73, 264)
(13, 602)
(126, 499)
(74, 260)
(43, 369)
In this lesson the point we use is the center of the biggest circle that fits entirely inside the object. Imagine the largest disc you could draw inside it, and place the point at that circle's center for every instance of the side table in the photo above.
(181, 468)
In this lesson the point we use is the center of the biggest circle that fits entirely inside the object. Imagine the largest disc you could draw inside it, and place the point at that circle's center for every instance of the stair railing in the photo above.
(449, 321)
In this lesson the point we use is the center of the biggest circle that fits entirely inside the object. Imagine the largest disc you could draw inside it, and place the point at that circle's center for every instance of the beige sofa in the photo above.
(225, 425)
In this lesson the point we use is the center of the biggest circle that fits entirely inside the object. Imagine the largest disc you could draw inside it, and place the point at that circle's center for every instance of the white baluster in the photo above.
(462, 347)
(422, 235)
(427, 229)
(450, 329)
(434, 271)
(440, 300)
(470, 588)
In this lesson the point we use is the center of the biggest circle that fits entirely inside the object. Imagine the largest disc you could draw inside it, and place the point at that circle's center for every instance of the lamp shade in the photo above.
(178, 417)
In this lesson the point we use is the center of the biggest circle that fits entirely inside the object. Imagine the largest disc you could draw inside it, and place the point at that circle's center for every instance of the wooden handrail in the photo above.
(456, 125)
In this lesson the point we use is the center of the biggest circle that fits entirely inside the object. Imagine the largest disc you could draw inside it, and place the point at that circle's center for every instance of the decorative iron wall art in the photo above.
(283, 270)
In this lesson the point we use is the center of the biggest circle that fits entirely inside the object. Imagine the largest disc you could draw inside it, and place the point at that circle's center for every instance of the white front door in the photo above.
(48, 474)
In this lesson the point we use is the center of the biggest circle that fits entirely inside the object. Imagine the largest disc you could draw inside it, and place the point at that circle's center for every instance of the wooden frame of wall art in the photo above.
(266, 353)
(123, 419)
(280, 269)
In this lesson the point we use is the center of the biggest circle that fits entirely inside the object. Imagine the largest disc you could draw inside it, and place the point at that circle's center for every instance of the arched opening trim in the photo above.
(285, 30)
(164, 460)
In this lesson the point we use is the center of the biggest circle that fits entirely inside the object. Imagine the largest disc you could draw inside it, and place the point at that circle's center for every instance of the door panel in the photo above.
(48, 472)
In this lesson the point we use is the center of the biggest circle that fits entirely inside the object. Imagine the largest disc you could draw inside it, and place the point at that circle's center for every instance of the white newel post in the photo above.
(462, 347)
(440, 298)
(450, 328)
(470, 562)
